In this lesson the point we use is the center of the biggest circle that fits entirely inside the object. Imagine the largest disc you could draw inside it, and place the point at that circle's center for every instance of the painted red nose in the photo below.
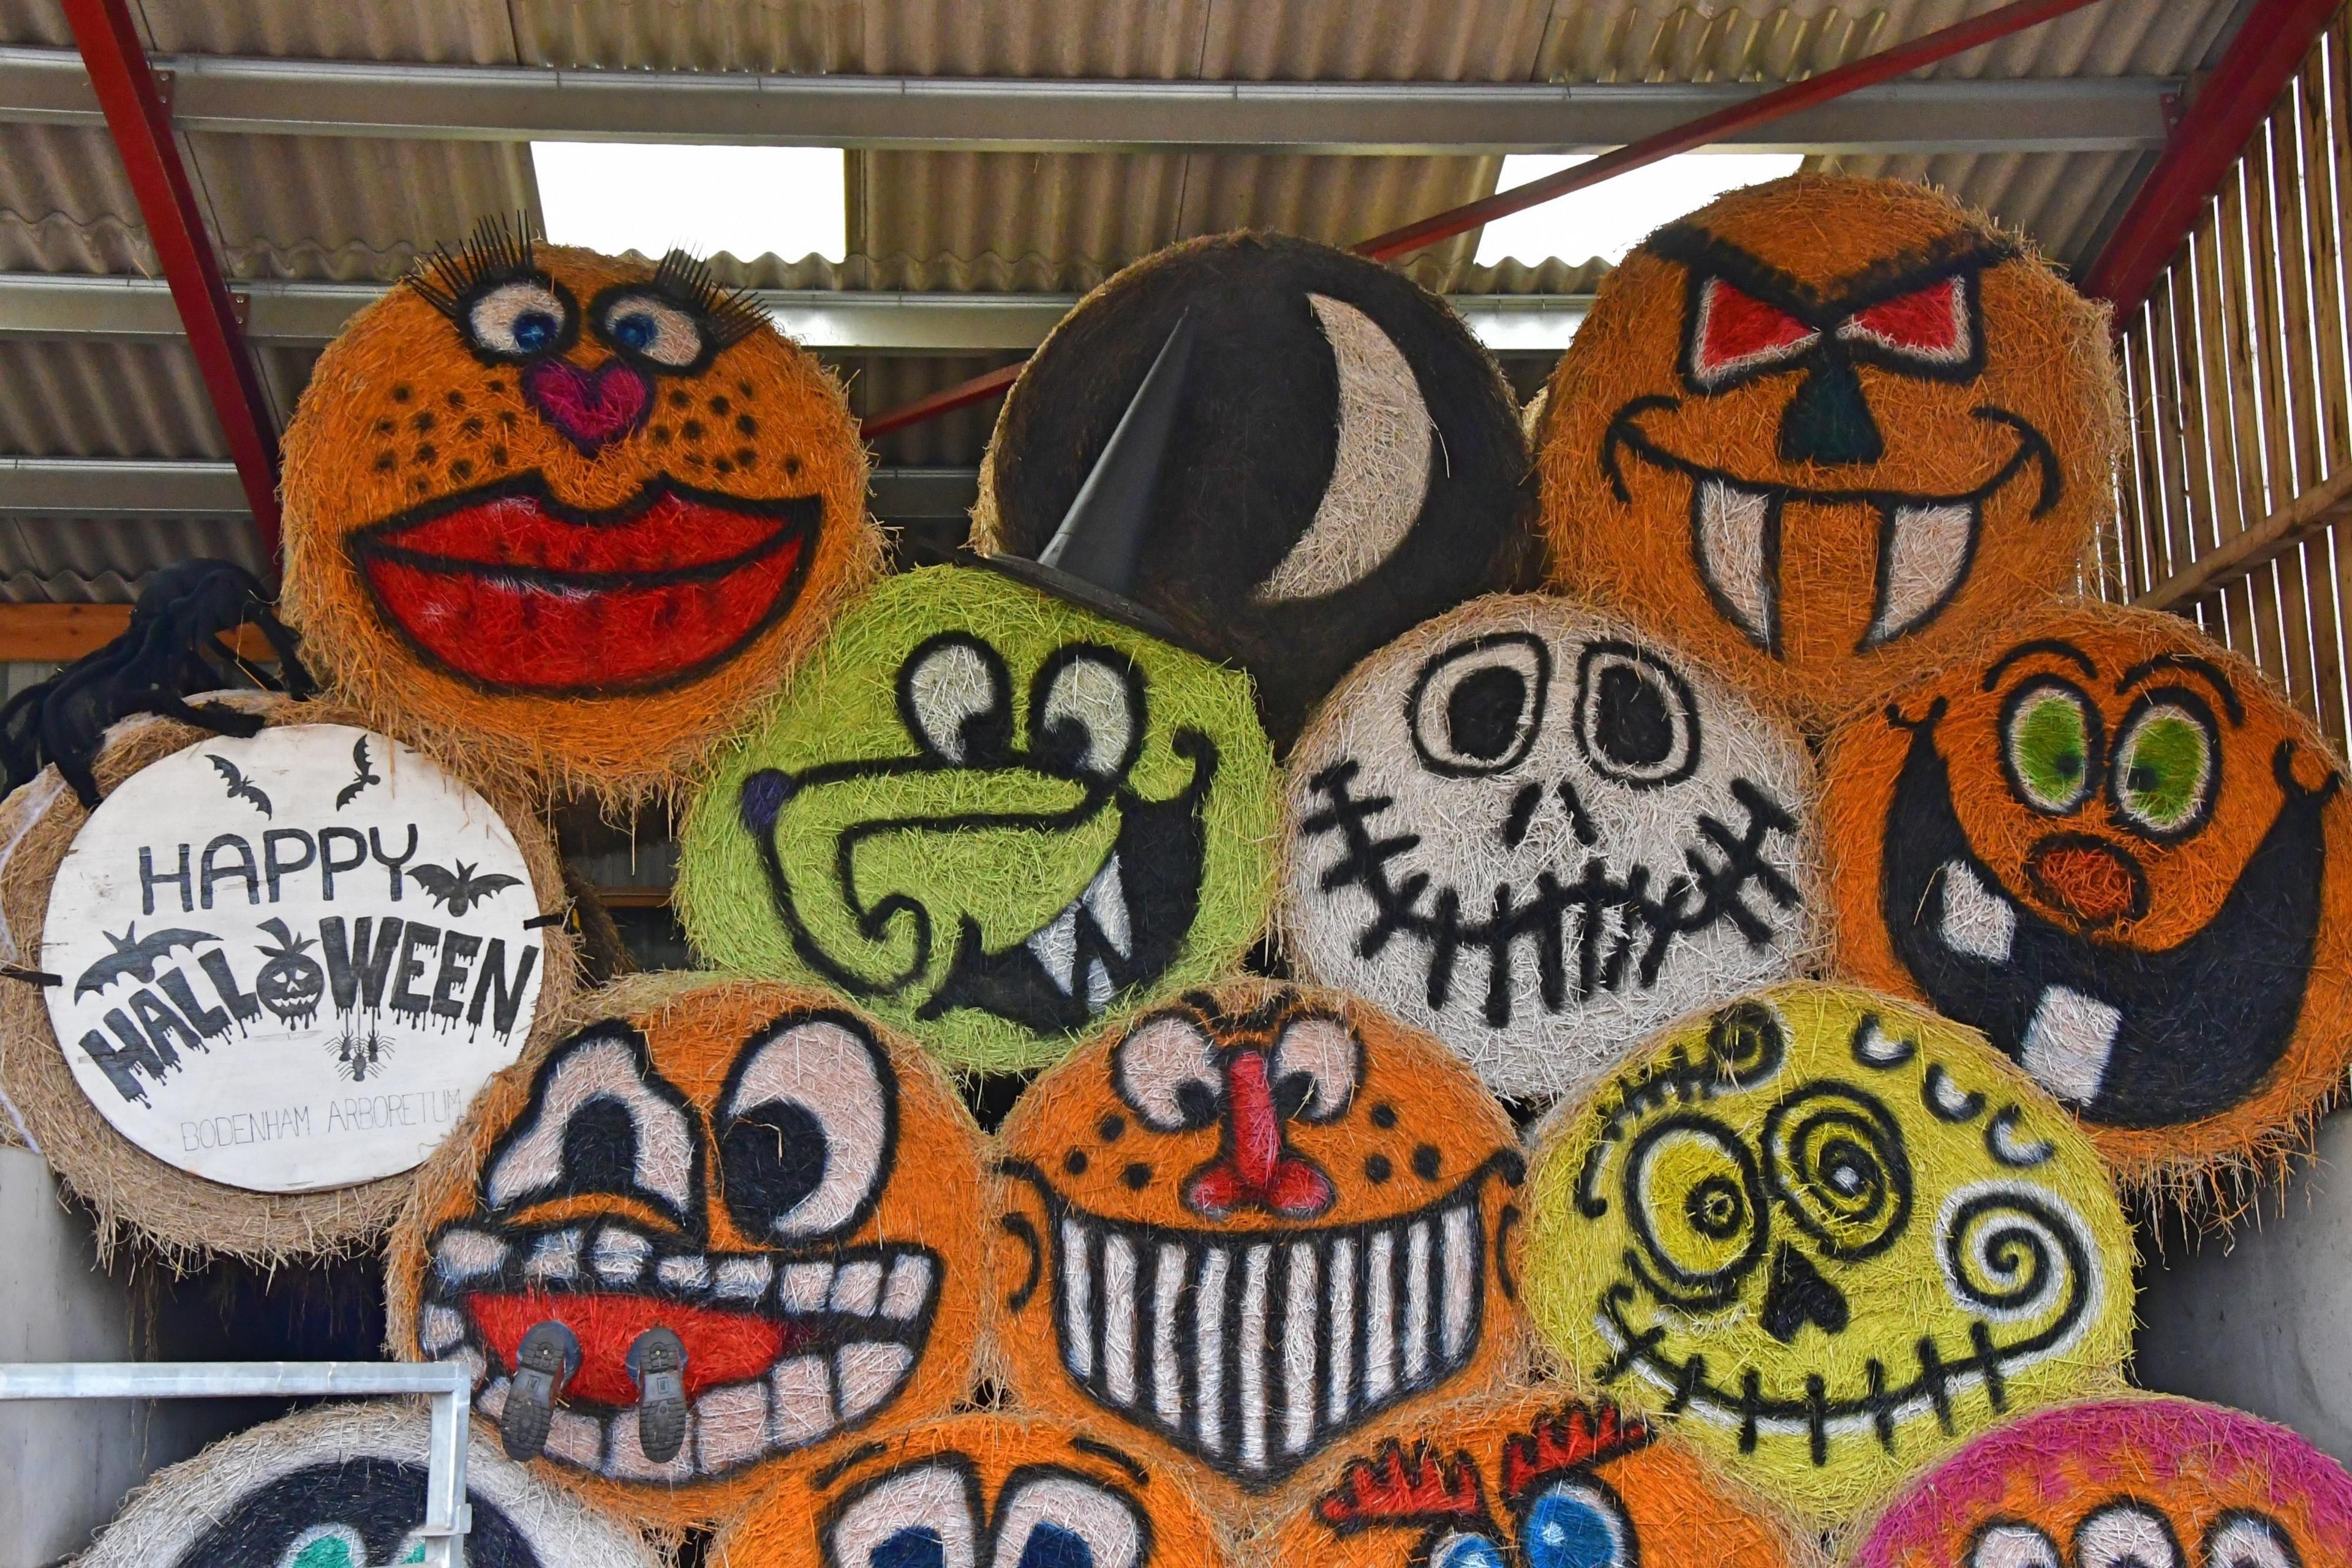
(1254, 1171)
(592, 409)
(2095, 882)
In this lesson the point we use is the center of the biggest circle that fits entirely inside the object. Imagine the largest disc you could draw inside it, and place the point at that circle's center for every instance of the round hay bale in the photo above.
(1826, 1235)
(987, 1487)
(1823, 431)
(2117, 850)
(1540, 835)
(342, 1485)
(257, 1073)
(1535, 1477)
(992, 817)
(2141, 1479)
(1346, 462)
(791, 1191)
(1250, 1222)
(568, 517)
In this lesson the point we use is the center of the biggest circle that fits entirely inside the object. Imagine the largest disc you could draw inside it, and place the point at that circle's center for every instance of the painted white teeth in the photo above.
(1106, 900)
(2068, 1042)
(1923, 554)
(1730, 533)
(858, 1287)
(684, 1273)
(621, 1255)
(909, 1287)
(462, 1254)
(1056, 947)
(1978, 921)
(438, 1327)
(800, 1402)
(803, 1287)
(741, 1278)
(556, 1259)
(870, 1374)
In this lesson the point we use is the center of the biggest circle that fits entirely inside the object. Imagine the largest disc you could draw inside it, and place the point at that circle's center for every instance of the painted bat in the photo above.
(367, 775)
(460, 890)
(239, 786)
(137, 956)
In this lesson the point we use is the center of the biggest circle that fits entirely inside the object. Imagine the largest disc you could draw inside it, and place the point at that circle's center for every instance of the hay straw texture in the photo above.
(1826, 1235)
(1824, 430)
(991, 817)
(2117, 849)
(981, 1489)
(181, 1215)
(2129, 1481)
(342, 1485)
(1347, 460)
(793, 1191)
(1249, 1222)
(577, 565)
(1540, 835)
(1535, 1477)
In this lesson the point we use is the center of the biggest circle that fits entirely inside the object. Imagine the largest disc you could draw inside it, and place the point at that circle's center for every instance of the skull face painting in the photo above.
(711, 1225)
(1827, 1234)
(1249, 1221)
(1824, 431)
(991, 816)
(1539, 836)
(2125, 1483)
(1532, 1480)
(568, 512)
(2117, 851)
(983, 1491)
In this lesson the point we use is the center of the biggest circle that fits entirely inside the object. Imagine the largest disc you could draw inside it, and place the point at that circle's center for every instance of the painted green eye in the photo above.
(2166, 764)
(327, 1546)
(2050, 740)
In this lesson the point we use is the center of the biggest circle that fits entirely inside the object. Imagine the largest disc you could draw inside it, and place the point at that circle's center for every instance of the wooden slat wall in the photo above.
(2235, 489)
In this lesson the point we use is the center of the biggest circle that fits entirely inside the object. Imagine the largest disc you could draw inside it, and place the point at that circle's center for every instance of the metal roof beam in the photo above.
(319, 98)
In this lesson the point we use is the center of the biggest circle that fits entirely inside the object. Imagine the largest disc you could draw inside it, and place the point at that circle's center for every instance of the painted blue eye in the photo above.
(1051, 1546)
(918, 1546)
(534, 330)
(1461, 1549)
(634, 332)
(1576, 1524)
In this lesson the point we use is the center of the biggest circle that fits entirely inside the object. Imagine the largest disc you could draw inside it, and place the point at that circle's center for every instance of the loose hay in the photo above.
(343, 1486)
(180, 1214)
(1348, 461)
(2117, 849)
(988, 1487)
(1539, 836)
(1827, 1235)
(796, 1193)
(992, 817)
(2139, 1480)
(1823, 431)
(1187, 1196)
(516, 535)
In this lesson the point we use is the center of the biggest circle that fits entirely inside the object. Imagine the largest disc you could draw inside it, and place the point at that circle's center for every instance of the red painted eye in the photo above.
(1736, 331)
(1930, 323)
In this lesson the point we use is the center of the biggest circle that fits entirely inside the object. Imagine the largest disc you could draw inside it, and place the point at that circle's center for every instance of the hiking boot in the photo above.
(544, 1363)
(658, 1361)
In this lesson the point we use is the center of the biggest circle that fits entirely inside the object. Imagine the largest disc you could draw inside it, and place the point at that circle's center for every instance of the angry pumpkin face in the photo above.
(1248, 1221)
(1825, 429)
(567, 508)
(2114, 849)
(711, 1225)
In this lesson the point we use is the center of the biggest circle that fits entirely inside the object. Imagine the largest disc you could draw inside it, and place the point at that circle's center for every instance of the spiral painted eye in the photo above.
(522, 319)
(1061, 1521)
(1577, 1523)
(1696, 1202)
(2167, 767)
(927, 1517)
(2010, 1543)
(956, 699)
(1464, 1548)
(644, 326)
(2126, 1535)
(1087, 713)
(2050, 745)
(2243, 1537)
(1836, 1159)
(806, 1128)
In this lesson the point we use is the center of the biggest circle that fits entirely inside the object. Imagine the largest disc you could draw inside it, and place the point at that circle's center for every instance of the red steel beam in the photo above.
(2269, 49)
(141, 128)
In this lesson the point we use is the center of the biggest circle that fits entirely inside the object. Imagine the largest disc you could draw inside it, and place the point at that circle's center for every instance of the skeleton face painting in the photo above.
(981, 1490)
(1243, 1224)
(711, 1225)
(1826, 1234)
(2117, 851)
(1539, 836)
(2141, 1482)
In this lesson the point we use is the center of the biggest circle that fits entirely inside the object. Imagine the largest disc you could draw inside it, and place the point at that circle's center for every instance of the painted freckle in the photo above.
(1425, 1162)
(400, 394)
(498, 455)
(496, 384)
(385, 426)
(1110, 1127)
(426, 454)
(661, 435)
(423, 422)
(747, 425)
(462, 470)
(1384, 1115)
(791, 464)
(720, 404)
(744, 456)
(473, 424)
(745, 388)
(385, 460)
(1075, 1161)
(1377, 1169)
(693, 430)
(456, 399)
(1137, 1176)
(681, 400)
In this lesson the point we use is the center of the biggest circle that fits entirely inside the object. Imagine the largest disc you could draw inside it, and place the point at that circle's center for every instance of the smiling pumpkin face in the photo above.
(2113, 848)
(567, 511)
(1825, 429)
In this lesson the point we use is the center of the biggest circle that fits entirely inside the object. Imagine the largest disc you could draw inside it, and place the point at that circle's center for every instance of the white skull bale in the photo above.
(1539, 836)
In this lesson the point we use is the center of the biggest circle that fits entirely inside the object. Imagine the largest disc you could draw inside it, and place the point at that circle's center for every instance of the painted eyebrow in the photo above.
(2057, 647)
(2214, 676)
(824, 1479)
(1120, 1456)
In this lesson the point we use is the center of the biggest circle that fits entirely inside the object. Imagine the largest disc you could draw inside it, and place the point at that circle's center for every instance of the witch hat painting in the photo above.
(1002, 802)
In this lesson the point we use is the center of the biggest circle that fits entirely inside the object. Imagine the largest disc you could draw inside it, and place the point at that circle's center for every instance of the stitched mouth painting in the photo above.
(1539, 836)
(711, 1226)
(1243, 1225)
(990, 816)
(568, 511)
(1823, 431)
(1825, 1235)
(2117, 850)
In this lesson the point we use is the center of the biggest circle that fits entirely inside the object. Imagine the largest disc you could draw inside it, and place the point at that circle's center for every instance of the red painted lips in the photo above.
(509, 589)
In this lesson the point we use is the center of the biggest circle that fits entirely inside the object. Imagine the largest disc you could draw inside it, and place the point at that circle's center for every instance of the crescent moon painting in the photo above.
(1346, 460)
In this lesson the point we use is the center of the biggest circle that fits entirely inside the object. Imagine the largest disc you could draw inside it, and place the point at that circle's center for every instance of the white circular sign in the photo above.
(288, 963)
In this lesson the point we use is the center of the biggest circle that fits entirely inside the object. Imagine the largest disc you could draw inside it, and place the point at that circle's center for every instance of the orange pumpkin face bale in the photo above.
(1530, 1480)
(1824, 430)
(984, 1489)
(2114, 849)
(791, 1191)
(1245, 1223)
(569, 512)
